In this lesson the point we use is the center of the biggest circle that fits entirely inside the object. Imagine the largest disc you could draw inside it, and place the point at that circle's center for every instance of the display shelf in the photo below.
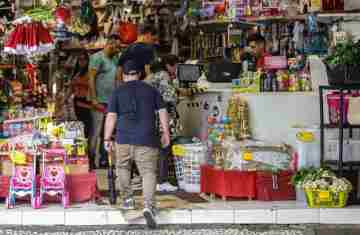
(227, 87)
(339, 14)
(341, 126)
(25, 119)
(7, 66)
(335, 163)
(273, 18)
(335, 126)
(222, 26)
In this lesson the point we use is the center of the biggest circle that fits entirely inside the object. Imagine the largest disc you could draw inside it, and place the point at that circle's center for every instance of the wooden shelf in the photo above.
(273, 18)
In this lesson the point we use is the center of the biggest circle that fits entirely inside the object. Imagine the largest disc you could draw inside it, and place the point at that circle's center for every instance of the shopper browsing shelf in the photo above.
(102, 76)
(143, 51)
(80, 89)
(161, 80)
(132, 109)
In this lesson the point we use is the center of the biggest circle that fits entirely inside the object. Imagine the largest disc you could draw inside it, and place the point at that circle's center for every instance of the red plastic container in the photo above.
(229, 183)
(274, 187)
(82, 187)
(4, 186)
(333, 101)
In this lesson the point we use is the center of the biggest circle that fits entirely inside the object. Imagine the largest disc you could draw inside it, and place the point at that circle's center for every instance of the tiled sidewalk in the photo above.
(205, 213)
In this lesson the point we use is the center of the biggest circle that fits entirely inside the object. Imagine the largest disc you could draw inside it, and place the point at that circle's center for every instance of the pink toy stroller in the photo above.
(23, 182)
(53, 178)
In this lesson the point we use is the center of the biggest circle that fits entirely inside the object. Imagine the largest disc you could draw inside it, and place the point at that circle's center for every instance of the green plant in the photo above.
(299, 178)
(320, 179)
(347, 53)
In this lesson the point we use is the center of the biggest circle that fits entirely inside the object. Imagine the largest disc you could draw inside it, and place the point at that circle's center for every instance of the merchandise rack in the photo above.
(341, 126)
(353, 173)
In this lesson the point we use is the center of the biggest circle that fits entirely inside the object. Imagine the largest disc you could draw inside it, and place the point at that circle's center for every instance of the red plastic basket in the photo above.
(4, 186)
(333, 101)
(82, 187)
(274, 187)
(229, 183)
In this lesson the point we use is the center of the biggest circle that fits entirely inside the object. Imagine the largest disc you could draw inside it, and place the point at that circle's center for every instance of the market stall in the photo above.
(249, 105)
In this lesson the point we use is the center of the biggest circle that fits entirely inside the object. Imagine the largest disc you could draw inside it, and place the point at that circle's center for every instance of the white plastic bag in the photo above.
(354, 110)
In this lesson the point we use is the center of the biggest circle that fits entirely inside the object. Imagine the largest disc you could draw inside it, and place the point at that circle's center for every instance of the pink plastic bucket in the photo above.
(333, 101)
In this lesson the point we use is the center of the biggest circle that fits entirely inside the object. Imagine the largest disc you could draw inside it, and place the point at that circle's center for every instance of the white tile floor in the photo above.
(238, 212)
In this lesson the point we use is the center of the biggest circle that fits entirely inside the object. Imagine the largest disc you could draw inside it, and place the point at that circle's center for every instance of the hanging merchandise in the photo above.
(315, 5)
(87, 13)
(43, 14)
(182, 11)
(61, 33)
(7, 14)
(78, 27)
(128, 32)
(298, 37)
(29, 38)
(63, 15)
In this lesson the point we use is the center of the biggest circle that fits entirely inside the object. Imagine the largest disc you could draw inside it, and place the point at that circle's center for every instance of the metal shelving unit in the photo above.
(341, 126)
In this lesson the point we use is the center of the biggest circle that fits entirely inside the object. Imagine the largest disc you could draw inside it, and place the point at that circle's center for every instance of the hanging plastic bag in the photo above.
(128, 32)
(354, 110)
(63, 15)
(87, 13)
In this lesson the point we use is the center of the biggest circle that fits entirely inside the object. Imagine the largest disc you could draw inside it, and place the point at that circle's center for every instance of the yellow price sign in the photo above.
(178, 150)
(305, 136)
(248, 156)
(324, 196)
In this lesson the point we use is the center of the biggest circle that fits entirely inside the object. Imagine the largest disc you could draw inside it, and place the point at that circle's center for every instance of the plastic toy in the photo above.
(23, 181)
(53, 179)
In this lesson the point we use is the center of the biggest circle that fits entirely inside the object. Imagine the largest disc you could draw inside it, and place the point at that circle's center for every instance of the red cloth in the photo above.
(231, 183)
(261, 61)
(276, 188)
(29, 38)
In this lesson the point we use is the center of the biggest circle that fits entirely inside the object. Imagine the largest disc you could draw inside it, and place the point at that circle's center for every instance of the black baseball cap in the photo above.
(131, 66)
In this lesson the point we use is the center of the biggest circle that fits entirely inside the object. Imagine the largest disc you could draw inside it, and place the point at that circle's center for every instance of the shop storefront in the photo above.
(266, 110)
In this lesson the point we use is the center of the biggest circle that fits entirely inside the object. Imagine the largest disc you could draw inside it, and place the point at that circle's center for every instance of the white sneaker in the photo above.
(166, 187)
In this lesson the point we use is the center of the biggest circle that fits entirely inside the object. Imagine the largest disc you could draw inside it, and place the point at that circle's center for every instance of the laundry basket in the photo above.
(188, 159)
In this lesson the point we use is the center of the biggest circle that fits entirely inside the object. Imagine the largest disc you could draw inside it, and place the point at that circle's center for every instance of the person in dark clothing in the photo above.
(80, 89)
(143, 51)
(132, 109)
(257, 44)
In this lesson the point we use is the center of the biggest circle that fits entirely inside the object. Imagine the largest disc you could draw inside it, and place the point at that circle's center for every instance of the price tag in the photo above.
(81, 150)
(324, 196)
(178, 150)
(67, 170)
(18, 157)
(305, 136)
(248, 156)
(68, 148)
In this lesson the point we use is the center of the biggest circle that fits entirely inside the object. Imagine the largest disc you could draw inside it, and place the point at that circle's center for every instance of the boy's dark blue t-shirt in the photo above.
(135, 104)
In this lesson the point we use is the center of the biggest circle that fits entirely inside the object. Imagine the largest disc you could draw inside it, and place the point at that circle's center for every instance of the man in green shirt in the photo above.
(102, 81)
